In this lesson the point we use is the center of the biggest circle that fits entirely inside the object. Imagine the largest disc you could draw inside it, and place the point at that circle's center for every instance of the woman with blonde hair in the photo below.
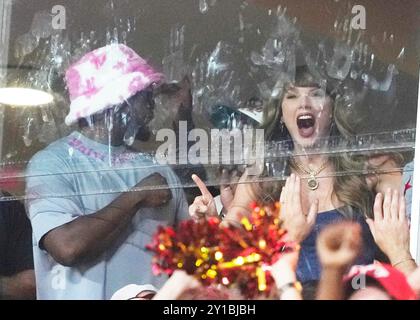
(322, 188)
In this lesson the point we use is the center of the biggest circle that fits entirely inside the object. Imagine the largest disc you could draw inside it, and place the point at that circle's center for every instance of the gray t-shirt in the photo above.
(74, 177)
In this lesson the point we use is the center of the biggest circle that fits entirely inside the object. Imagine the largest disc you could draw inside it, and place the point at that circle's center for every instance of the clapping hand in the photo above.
(390, 226)
(297, 223)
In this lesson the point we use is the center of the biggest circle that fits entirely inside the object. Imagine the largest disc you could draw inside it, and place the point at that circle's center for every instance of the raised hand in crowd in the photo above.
(297, 222)
(390, 230)
(203, 205)
(338, 246)
(236, 195)
(284, 275)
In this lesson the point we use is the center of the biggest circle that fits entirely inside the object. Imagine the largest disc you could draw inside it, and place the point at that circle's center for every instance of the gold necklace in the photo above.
(313, 183)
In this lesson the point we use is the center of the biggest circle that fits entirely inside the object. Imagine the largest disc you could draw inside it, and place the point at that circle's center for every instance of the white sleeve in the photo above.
(218, 203)
(51, 200)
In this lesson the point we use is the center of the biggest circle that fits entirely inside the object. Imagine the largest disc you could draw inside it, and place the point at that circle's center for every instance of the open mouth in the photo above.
(306, 125)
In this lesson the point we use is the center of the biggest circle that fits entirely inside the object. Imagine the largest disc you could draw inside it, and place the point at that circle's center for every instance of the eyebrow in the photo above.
(318, 88)
(291, 89)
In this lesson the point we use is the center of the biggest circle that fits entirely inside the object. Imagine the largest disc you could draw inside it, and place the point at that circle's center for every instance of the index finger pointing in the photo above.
(200, 184)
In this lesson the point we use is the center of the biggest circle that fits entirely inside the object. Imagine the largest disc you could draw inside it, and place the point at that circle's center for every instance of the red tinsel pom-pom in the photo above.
(232, 257)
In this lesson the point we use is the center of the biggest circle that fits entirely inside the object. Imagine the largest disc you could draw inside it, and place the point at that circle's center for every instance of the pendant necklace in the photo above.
(313, 183)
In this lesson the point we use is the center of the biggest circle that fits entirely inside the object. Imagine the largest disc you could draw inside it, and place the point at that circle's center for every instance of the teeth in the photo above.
(305, 117)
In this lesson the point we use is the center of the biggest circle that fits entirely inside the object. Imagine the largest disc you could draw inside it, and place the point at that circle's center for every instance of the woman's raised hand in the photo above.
(391, 230)
(235, 192)
(297, 223)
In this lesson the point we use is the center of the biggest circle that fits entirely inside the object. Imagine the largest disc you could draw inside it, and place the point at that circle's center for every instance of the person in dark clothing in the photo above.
(17, 278)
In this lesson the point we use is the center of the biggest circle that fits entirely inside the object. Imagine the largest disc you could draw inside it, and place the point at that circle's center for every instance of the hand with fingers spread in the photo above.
(297, 223)
(390, 229)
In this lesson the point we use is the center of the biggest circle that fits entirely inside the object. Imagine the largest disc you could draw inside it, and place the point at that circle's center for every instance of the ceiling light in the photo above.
(26, 97)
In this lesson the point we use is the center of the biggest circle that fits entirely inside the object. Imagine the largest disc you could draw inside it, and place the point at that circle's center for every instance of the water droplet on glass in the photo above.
(27, 141)
(372, 60)
(115, 38)
(401, 54)
(391, 39)
(203, 6)
(129, 140)
(92, 34)
(108, 36)
(241, 22)
(124, 37)
(365, 78)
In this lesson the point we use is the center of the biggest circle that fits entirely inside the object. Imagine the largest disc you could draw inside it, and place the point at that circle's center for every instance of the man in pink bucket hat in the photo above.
(93, 203)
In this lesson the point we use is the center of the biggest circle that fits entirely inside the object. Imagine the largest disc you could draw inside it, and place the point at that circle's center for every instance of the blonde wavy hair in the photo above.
(350, 186)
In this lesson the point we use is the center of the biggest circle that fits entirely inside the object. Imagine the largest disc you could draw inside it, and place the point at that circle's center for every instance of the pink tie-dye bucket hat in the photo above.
(106, 77)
